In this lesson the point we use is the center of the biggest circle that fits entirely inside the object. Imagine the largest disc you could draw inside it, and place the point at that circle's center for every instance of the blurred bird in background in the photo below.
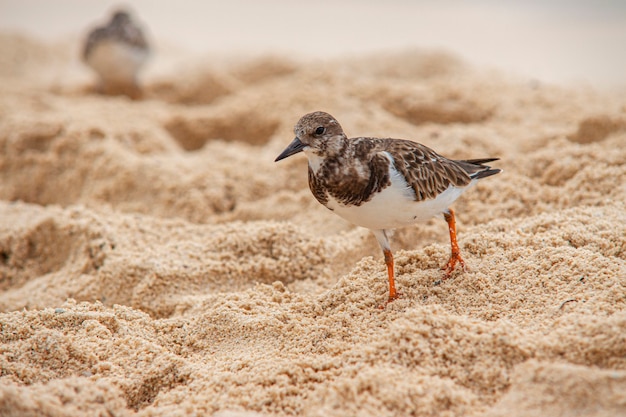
(116, 52)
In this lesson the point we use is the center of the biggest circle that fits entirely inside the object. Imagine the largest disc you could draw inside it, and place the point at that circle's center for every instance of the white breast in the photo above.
(117, 62)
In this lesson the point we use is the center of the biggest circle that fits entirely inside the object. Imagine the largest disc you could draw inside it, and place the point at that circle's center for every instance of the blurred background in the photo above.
(557, 41)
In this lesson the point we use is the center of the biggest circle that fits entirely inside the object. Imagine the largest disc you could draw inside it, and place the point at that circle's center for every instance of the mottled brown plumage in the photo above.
(382, 184)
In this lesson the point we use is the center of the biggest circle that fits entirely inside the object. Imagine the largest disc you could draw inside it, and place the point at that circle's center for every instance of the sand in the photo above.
(155, 261)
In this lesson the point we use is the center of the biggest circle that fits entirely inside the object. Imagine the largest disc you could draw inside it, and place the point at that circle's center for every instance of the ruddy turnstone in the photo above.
(383, 184)
(116, 52)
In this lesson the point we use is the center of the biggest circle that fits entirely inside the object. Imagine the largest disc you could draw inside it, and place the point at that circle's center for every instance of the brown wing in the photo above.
(92, 40)
(133, 35)
(427, 172)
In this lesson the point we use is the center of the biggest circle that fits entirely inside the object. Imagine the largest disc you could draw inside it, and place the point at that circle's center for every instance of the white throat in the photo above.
(315, 161)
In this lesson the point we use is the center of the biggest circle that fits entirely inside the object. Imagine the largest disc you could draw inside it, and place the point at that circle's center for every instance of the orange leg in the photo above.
(392, 285)
(455, 256)
(383, 241)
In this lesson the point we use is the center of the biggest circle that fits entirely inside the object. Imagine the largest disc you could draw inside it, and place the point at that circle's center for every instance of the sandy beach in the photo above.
(155, 261)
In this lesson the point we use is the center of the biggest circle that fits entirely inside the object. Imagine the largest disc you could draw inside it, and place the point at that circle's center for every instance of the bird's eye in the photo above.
(320, 130)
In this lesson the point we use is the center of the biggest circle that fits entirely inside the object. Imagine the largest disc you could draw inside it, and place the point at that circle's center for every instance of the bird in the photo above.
(116, 52)
(383, 183)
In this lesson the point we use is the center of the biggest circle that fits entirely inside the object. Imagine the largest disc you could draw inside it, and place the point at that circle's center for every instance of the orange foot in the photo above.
(395, 296)
(451, 265)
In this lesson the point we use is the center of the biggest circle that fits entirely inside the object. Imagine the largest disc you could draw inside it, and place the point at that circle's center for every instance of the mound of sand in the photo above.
(154, 260)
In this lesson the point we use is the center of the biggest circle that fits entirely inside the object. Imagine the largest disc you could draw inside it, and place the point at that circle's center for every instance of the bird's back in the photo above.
(427, 172)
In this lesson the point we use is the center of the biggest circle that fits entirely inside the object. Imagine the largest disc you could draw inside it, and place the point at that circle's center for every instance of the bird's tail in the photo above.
(477, 169)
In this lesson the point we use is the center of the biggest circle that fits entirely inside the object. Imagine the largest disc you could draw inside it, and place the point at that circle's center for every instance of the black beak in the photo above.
(294, 147)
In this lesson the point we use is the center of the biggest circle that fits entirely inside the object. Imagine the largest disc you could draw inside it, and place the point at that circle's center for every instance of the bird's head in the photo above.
(121, 17)
(317, 133)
